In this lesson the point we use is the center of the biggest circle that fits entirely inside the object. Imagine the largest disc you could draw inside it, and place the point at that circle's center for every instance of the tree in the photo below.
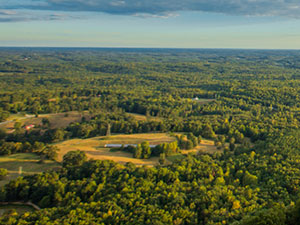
(162, 158)
(74, 158)
(51, 152)
(189, 145)
(2, 134)
(138, 152)
(146, 150)
(17, 126)
(3, 173)
(46, 122)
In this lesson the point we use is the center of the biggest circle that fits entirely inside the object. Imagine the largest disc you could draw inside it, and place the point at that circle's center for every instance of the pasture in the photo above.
(57, 120)
(94, 147)
(29, 163)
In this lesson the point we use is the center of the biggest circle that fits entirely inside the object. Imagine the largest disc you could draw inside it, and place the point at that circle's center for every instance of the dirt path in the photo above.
(21, 203)
(19, 118)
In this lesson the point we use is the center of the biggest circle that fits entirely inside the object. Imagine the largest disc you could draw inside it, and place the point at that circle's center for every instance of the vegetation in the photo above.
(29, 162)
(243, 104)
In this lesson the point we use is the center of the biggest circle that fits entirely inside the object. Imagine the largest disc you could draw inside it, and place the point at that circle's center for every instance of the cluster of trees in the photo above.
(40, 148)
(144, 151)
(3, 173)
(251, 185)
(188, 141)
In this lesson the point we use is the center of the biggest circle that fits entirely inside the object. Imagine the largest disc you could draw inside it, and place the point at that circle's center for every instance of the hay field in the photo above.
(29, 163)
(140, 117)
(206, 146)
(57, 120)
(94, 147)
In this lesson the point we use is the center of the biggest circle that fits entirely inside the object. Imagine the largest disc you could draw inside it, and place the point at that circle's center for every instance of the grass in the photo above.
(57, 120)
(206, 146)
(204, 100)
(20, 209)
(176, 157)
(94, 147)
(140, 117)
(29, 163)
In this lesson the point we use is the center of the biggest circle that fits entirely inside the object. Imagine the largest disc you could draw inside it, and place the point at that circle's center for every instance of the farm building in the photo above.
(125, 145)
(28, 127)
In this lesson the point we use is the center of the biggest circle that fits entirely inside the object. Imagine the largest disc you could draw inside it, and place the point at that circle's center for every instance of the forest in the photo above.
(246, 101)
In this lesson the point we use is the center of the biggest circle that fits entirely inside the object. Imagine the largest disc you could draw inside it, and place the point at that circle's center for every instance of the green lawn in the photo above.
(176, 157)
(29, 163)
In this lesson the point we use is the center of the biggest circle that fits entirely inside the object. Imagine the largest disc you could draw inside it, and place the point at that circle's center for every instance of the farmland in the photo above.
(94, 147)
(29, 163)
(57, 120)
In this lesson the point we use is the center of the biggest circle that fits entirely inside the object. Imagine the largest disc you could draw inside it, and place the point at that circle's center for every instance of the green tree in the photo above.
(74, 158)
(162, 158)
(146, 150)
(3, 173)
(138, 152)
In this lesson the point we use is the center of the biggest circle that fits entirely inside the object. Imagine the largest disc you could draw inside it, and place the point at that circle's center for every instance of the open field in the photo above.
(57, 120)
(203, 100)
(140, 117)
(29, 163)
(94, 147)
(206, 146)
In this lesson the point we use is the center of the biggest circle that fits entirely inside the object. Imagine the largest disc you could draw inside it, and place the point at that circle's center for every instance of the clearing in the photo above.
(29, 163)
(94, 147)
(140, 117)
(206, 146)
(57, 120)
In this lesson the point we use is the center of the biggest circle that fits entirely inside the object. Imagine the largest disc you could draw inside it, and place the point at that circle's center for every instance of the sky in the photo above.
(255, 24)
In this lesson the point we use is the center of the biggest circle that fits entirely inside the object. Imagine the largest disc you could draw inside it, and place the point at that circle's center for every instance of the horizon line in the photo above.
(170, 48)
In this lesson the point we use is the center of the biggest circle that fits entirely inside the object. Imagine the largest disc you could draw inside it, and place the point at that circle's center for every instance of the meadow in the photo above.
(28, 161)
(94, 147)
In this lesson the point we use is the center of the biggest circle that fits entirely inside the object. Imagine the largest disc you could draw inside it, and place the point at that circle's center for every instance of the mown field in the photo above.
(57, 120)
(94, 147)
(29, 163)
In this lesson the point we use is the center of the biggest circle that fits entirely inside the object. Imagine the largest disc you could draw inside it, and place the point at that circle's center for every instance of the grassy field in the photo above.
(29, 163)
(94, 147)
(57, 120)
(206, 146)
(203, 100)
(140, 117)
(20, 209)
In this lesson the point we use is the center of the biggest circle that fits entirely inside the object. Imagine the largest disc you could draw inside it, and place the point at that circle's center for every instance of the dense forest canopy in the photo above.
(246, 98)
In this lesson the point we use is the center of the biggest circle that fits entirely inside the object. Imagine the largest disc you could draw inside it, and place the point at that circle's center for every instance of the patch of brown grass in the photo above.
(29, 163)
(57, 120)
(140, 117)
(94, 147)
(206, 146)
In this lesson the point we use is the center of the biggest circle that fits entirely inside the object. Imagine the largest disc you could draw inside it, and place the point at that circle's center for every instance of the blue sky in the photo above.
(266, 24)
